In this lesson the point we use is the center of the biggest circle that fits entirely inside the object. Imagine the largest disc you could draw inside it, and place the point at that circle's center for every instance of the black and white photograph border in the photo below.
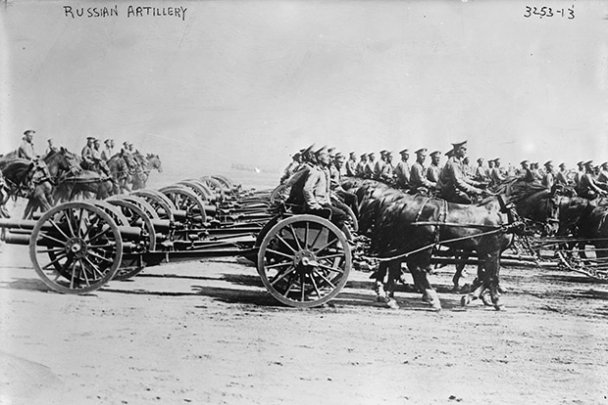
(295, 202)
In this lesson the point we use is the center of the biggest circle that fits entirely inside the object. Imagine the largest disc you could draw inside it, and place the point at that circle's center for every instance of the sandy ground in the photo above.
(208, 333)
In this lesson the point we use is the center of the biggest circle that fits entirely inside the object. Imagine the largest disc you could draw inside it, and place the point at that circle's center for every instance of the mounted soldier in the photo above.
(87, 155)
(108, 150)
(453, 183)
(26, 149)
(561, 177)
(588, 187)
(351, 165)
(496, 176)
(481, 171)
(360, 169)
(602, 177)
(292, 167)
(379, 166)
(402, 170)
(418, 181)
(433, 171)
(50, 147)
(549, 177)
(368, 171)
(525, 172)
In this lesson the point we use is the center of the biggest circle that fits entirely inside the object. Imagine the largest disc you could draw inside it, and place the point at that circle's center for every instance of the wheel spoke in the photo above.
(69, 219)
(328, 244)
(72, 278)
(290, 287)
(282, 276)
(80, 219)
(94, 267)
(84, 273)
(59, 229)
(51, 250)
(276, 252)
(98, 235)
(44, 235)
(285, 243)
(272, 266)
(325, 279)
(330, 256)
(331, 268)
(302, 285)
(95, 255)
(56, 260)
(314, 284)
(295, 237)
(306, 235)
(316, 239)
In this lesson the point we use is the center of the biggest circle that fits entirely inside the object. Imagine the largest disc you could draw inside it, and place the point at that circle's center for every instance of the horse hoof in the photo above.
(465, 300)
(392, 304)
(484, 298)
(380, 298)
(498, 307)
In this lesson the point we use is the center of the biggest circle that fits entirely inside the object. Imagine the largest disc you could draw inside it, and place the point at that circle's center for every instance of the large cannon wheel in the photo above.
(304, 261)
(139, 201)
(187, 200)
(136, 216)
(76, 248)
(199, 188)
(163, 205)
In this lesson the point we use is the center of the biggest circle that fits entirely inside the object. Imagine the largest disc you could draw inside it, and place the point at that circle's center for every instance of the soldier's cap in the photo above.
(479, 160)
(353, 153)
(331, 150)
(562, 164)
(402, 151)
(107, 141)
(322, 149)
(459, 144)
(435, 153)
(450, 153)
(580, 162)
(549, 163)
(524, 162)
(90, 138)
(340, 154)
(383, 152)
(589, 163)
(496, 159)
(371, 154)
(96, 140)
(297, 154)
(29, 131)
(604, 164)
(421, 150)
(363, 155)
(309, 149)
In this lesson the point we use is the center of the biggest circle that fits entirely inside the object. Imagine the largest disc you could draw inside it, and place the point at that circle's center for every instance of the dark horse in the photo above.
(87, 183)
(404, 227)
(19, 173)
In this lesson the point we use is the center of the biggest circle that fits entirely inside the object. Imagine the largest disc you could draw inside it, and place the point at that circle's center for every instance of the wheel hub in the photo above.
(77, 247)
(305, 258)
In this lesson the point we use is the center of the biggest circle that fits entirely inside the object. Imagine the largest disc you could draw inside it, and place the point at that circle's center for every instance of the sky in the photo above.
(251, 82)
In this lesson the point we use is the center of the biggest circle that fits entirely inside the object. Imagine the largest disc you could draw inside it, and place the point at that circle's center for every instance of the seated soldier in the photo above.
(587, 187)
(418, 179)
(453, 184)
(317, 194)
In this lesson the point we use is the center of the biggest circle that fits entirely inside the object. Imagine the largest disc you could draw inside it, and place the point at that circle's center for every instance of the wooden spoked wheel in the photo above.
(216, 187)
(199, 188)
(304, 261)
(185, 199)
(136, 217)
(139, 201)
(76, 248)
(225, 181)
(163, 206)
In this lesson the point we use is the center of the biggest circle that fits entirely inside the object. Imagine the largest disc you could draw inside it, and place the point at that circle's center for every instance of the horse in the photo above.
(120, 166)
(145, 164)
(83, 182)
(405, 227)
(20, 173)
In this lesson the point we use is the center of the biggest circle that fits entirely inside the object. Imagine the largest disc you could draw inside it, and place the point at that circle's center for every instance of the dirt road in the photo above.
(207, 332)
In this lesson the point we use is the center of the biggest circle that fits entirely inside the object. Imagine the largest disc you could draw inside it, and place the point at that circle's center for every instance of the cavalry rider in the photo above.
(360, 169)
(580, 172)
(316, 191)
(108, 150)
(379, 166)
(402, 170)
(453, 183)
(525, 173)
(335, 174)
(418, 180)
(481, 171)
(88, 161)
(26, 149)
(561, 177)
(388, 169)
(432, 173)
(548, 179)
(368, 171)
(351, 165)
(100, 164)
(587, 187)
(602, 177)
(496, 176)
(50, 147)
(292, 167)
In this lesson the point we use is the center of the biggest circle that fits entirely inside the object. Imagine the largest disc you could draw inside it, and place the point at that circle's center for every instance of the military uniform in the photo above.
(351, 166)
(402, 172)
(88, 160)
(419, 179)
(453, 183)
(360, 169)
(26, 150)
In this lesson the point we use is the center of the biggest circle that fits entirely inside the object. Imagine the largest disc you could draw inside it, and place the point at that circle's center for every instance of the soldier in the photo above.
(379, 166)
(50, 147)
(602, 178)
(466, 167)
(561, 177)
(316, 191)
(292, 167)
(496, 176)
(88, 162)
(587, 186)
(99, 163)
(453, 183)
(360, 170)
(579, 173)
(387, 171)
(548, 179)
(418, 180)
(368, 171)
(481, 171)
(432, 173)
(108, 149)
(351, 165)
(402, 170)
(525, 173)
(335, 169)
(26, 149)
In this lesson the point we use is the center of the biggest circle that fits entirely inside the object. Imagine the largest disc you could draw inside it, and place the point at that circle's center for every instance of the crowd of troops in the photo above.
(314, 173)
